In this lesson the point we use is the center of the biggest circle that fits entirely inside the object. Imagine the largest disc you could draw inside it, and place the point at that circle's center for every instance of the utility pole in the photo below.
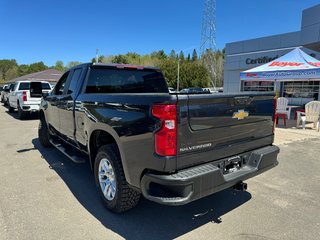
(97, 55)
(208, 46)
(178, 79)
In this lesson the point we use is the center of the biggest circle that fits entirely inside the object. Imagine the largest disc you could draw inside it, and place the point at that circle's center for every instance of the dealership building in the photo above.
(244, 55)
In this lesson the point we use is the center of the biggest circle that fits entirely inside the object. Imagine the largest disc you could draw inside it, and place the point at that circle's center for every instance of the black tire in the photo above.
(21, 114)
(125, 197)
(43, 133)
(11, 109)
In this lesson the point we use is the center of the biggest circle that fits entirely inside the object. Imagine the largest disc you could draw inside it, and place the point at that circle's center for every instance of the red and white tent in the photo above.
(293, 65)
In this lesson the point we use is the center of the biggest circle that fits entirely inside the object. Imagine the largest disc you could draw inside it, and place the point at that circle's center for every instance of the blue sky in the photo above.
(68, 30)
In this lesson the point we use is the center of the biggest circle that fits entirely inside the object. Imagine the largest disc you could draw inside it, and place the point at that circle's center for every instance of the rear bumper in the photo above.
(193, 183)
(30, 107)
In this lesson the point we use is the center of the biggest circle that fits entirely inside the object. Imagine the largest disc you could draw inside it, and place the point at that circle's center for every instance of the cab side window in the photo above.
(12, 86)
(74, 80)
(61, 84)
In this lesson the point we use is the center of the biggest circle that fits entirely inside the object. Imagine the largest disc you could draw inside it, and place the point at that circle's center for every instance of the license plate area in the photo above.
(232, 164)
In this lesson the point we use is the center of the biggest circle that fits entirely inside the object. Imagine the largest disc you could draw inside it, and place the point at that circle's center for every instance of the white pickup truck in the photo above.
(26, 96)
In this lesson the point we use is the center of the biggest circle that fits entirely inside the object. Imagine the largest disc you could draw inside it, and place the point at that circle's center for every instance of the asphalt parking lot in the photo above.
(43, 195)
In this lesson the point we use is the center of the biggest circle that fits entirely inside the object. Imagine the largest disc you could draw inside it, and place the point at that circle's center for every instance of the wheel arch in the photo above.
(100, 137)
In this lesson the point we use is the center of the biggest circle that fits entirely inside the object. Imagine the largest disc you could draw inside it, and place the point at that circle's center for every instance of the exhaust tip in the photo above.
(241, 186)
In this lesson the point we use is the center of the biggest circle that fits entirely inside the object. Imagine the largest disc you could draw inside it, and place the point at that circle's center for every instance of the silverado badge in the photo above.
(241, 114)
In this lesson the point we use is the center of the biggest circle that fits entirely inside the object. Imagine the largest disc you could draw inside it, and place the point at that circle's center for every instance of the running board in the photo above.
(70, 154)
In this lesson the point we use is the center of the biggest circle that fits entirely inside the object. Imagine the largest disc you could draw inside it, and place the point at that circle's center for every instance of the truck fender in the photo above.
(109, 130)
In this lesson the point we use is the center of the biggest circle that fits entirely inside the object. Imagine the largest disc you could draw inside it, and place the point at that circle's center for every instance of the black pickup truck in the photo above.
(140, 139)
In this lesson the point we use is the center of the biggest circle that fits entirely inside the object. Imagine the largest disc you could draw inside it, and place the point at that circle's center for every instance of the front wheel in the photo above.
(110, 180)
(43, 133)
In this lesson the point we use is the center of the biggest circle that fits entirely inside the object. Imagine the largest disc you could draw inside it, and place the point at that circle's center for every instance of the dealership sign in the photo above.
(293, 65)
(260, 60)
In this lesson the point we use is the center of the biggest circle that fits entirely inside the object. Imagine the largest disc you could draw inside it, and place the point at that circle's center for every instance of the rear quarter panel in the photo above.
(127, 117)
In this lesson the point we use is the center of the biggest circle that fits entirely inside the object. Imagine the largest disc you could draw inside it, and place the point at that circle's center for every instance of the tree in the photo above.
(220, 67)
(192, 74)
(209, 56)
(12, 73)
(169, 69)
(59, 66)
(159, 54)
(120, 59)
(37, 67)
(23, 69)
(5, 66)
(188, 58)
(101, 59)
(173, 54)
(73, 63)
(181, 56)
(194, 56)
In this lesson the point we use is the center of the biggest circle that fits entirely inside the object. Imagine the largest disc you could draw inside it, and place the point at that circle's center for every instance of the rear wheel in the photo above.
(11, 109)
(110, 180)
(43, 133)
(21, 114)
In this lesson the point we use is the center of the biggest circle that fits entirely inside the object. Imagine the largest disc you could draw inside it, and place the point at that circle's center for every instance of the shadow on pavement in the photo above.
(148, 220)
(31, 116)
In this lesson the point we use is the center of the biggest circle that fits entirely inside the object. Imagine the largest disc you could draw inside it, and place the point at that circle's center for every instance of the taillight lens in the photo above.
(274, 113)
(24, 96)
(166, 136)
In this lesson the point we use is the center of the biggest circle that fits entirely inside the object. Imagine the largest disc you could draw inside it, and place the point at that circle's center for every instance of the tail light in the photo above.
(24, 96)
(274, 114)
(166, 136)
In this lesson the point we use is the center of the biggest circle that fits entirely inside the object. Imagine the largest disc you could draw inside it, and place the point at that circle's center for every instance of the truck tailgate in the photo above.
(35, 93)
(212, 127)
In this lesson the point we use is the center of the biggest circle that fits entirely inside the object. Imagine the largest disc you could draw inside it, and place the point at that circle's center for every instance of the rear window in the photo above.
(46, 86)
(24, 86)
(106, 80)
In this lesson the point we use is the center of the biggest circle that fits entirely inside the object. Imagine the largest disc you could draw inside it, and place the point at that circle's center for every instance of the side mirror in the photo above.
(45, 94)
(7, 90)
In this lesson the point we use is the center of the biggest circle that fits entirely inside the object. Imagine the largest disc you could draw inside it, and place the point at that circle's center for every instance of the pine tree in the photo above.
(181, 56)
(172, 54)
(194, 56)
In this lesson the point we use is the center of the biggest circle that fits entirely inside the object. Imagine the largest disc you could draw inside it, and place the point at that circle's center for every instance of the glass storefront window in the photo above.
(301, 89)
(265, 86)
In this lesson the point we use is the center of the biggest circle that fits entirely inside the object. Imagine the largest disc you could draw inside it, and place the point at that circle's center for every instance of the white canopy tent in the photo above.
(295, 67)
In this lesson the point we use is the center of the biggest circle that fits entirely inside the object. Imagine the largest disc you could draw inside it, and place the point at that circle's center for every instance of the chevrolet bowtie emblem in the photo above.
(241, 114)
